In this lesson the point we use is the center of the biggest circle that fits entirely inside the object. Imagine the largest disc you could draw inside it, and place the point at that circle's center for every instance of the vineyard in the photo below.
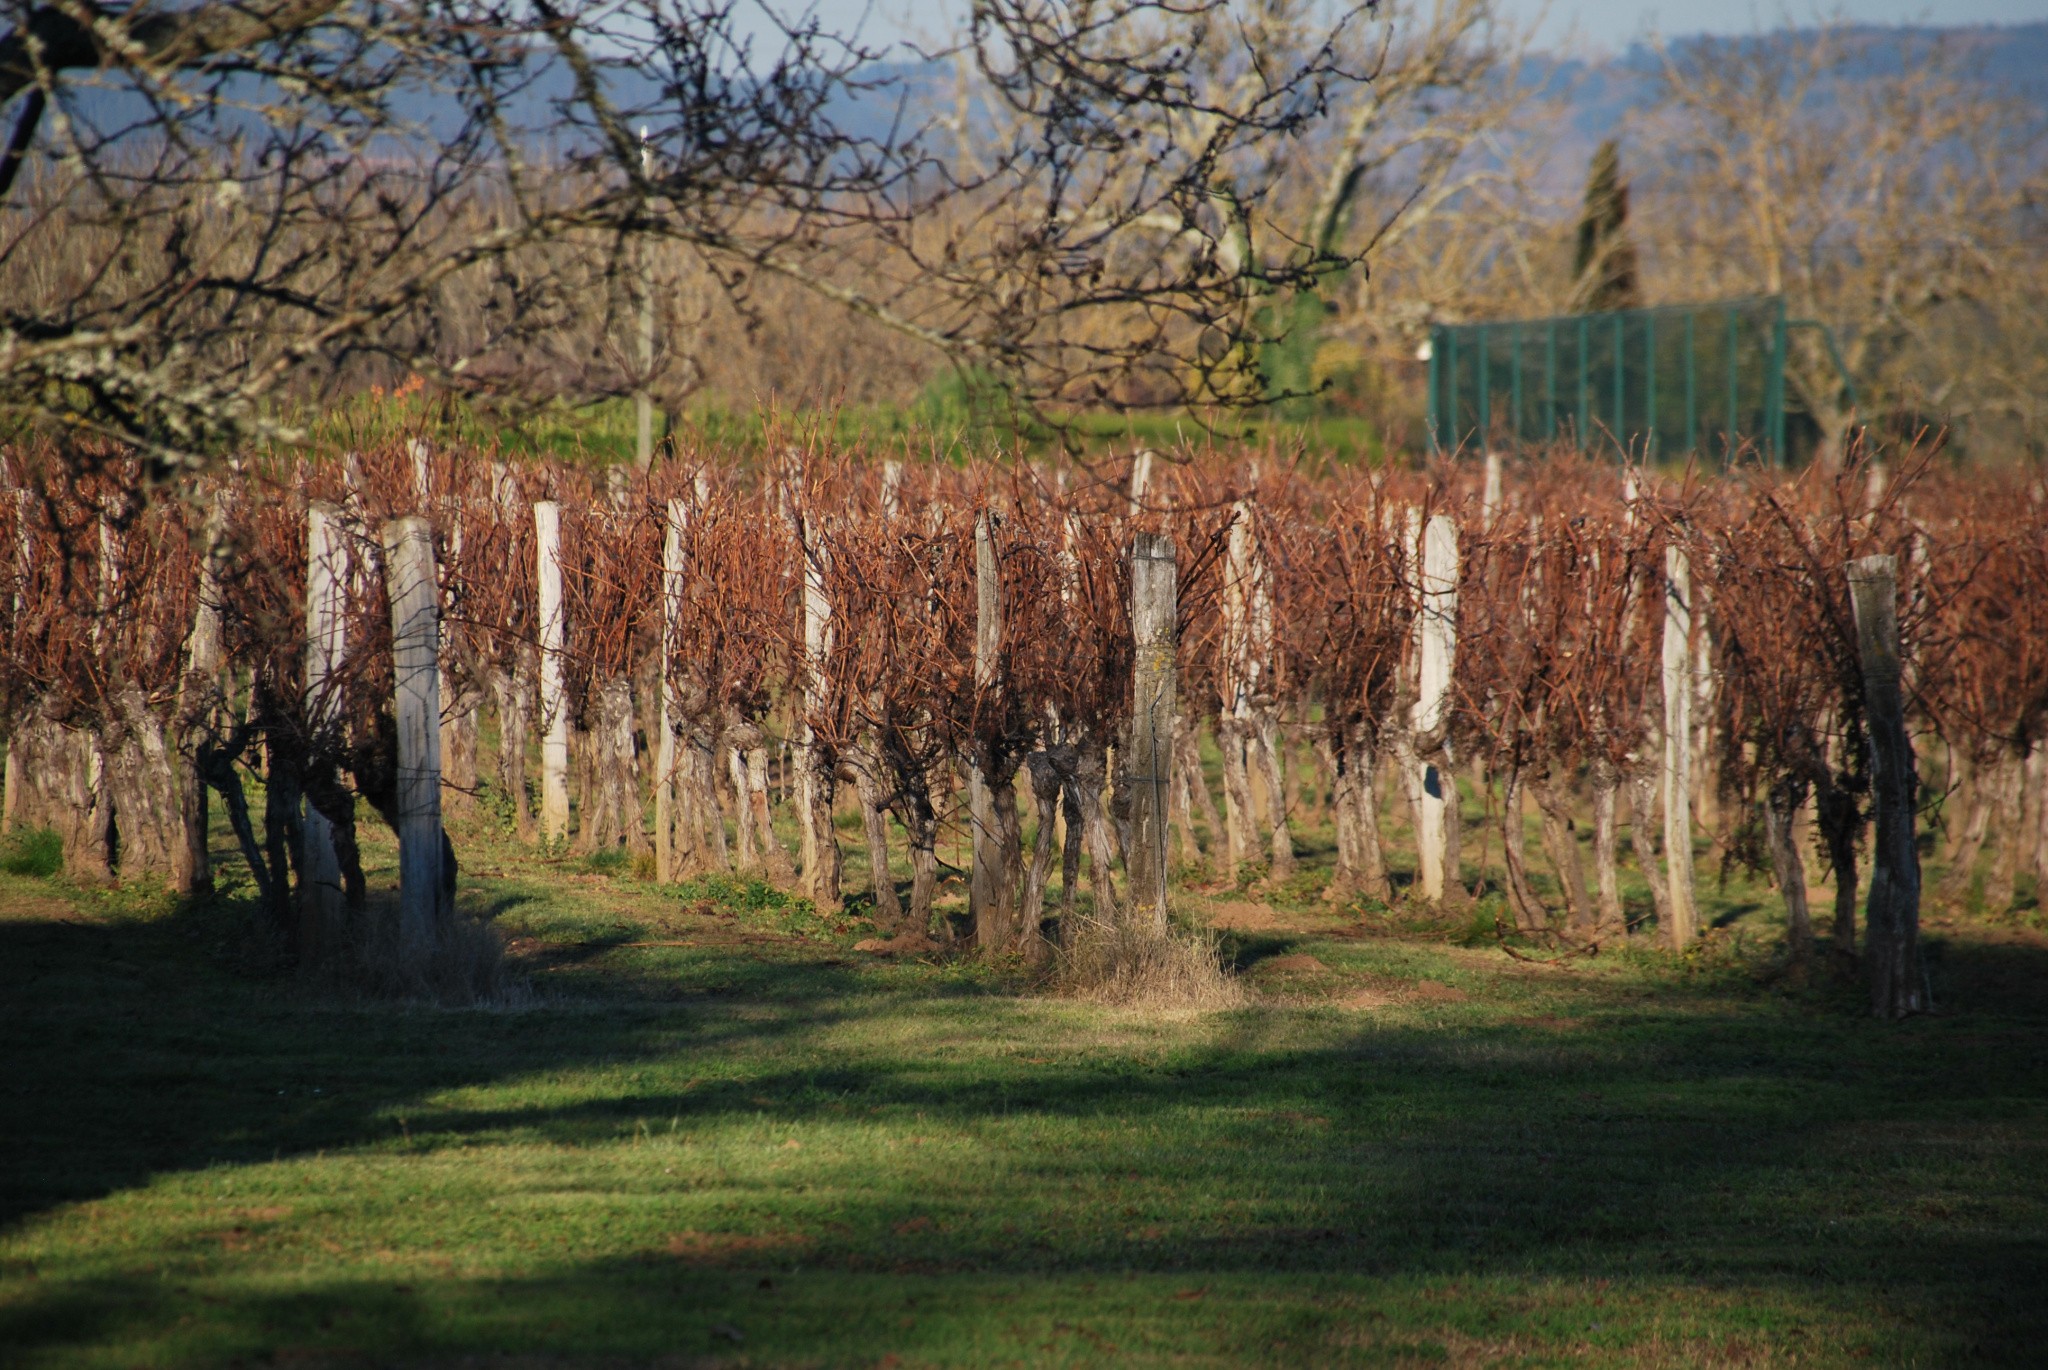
(679, 666)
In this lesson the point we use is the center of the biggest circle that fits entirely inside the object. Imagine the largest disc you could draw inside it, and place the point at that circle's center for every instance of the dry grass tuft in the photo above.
(463, 967)
(1133, 968)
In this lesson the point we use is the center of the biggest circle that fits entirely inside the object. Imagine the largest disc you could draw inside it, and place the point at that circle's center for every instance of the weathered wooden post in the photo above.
(892, 490)
(643, 397)
(665, 749)
(17, 755)
(1141, 479)
(817, 783)
(990, 898)
(1891, 946)
(1489, 496)
(327, 564)
(1233, 723)
(416, 650)
(554, 704)
(1437, 626)
(1684, 914)
(1154, 607)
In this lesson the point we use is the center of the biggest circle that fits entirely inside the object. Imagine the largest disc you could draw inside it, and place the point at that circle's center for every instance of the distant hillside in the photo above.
(2011, 57)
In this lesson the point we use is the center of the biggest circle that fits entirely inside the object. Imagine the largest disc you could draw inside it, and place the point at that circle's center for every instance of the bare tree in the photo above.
(214, 212)
(1895, 196)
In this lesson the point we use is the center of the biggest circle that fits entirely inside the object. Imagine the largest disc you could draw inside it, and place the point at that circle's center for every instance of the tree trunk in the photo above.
(1354, 801)
(612, 816)
(1897, 977)
(514, 691)
(1188, 740)
(1841, 826)
(1642, 835)
(1240, 835)
(1561, 845)
(1982, 791)
(1780, 809)
(1530, 915)
(1610, 924)
(870, 785)
(2013, 833)
(1267, 742)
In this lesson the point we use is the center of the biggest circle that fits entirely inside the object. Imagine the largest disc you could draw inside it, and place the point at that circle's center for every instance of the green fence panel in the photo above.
(1649, 383)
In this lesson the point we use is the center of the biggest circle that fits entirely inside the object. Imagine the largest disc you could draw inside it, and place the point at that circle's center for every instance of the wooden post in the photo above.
(554, 706)
(892, 490)
(326, 626)
(1891, 945)
(665, 749)
(1684, 923)
(1437, 625)
(1154, 607)
(820, 844)
(643, 398)
(1141, 478)
(1233, 730)
(15, 795)
(416, 649)
(1489, 498)
(989, 895)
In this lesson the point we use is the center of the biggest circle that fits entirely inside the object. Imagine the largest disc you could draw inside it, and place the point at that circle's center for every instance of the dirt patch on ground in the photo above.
(733, 1248)
(1300, 963)
(36, 908)
(903, 944)
(1548, 1022)
(1362, 999)
(1437, 992)
(1238, 915)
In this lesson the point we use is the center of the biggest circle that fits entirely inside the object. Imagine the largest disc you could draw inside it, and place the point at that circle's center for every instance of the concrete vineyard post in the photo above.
(415, 650)
(554, 710)
(988, 889)
(643, 398)
(326, 604)
(1678, 696)
(816, 784)
(1154, 607)
(665, 748)
(1891, 949)
(1437, 627)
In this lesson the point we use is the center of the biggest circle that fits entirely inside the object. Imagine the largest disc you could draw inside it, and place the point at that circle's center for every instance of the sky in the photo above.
(1598, 25)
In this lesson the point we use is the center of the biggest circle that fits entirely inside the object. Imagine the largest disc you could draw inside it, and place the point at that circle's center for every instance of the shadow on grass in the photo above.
(1755, 1147)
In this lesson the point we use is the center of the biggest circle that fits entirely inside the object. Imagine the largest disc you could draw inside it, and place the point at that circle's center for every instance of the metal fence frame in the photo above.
(1730, 385)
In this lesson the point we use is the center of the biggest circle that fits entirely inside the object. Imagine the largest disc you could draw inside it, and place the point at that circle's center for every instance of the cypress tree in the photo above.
(1604, 266)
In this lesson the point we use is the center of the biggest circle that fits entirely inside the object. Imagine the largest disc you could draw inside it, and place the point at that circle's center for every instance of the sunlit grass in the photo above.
(717, 1131)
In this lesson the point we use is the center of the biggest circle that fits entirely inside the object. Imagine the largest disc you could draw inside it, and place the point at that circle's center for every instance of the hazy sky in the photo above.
(1603, 24)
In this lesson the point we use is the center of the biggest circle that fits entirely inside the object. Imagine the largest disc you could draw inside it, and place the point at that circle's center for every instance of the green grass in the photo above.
(32, 851)
(721, 1133)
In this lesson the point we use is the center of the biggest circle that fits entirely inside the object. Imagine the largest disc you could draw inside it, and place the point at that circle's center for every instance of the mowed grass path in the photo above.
(753, 1145)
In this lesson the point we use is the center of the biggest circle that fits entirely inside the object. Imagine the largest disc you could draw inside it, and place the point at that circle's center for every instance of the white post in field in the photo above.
(989, 898)
(1141, 478)
(1678, 745)
(326, 589)
(1154, 610)
(665, 752)
(416, 651)
(554, 706)
(892, 489)
(1437, 624)
(643, 396)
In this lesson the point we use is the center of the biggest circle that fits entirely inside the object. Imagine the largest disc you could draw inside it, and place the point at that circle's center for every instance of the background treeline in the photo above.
(1889, 183)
